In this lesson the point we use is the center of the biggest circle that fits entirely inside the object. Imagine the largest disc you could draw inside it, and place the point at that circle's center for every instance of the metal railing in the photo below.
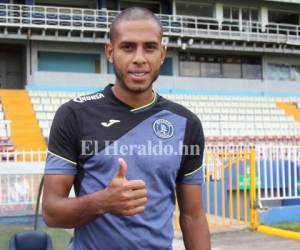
(227, 186)
(63, 18)
(22, 156)
(18, 194)
(278, 168)
(5, 128)
(55, 17)
(232, 179)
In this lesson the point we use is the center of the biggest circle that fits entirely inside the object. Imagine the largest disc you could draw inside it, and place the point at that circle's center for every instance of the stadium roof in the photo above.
(284, 1)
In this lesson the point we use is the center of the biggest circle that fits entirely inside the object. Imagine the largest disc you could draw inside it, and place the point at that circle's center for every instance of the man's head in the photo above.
(135, 49)
(133, 14)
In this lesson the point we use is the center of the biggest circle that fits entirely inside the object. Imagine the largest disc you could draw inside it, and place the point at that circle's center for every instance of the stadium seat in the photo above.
(226, 116)
(31, 240)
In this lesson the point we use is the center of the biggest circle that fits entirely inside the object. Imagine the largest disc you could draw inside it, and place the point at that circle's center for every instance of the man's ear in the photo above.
(163, 53)
(108, 49)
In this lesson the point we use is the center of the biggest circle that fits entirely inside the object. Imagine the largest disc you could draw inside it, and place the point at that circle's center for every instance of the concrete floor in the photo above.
(244, 240)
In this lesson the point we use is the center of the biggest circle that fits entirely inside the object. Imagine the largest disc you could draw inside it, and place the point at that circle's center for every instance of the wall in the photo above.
(237, 86)
(35, 77)
(277, 215)
(163, 82)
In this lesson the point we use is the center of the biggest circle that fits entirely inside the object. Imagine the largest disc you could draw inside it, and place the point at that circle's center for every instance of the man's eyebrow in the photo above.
(151, 43)
(148, 42)
(127, 42)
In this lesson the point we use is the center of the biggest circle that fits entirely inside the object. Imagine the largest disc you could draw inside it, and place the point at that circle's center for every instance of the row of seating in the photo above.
(244, 118)
(44, 93)
(240, 99)
(188, 97)
(220, 115)
(241, 143)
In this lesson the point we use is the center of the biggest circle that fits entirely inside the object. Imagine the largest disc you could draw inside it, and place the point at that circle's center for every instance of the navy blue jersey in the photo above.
(162, 144)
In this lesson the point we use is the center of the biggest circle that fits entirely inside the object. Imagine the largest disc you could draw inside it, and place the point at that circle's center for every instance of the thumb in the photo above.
(122, 168)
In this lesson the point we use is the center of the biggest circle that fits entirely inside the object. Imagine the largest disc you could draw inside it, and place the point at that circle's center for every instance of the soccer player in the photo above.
(127, 151)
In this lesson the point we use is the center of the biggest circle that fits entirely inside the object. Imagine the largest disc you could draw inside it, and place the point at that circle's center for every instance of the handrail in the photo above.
(56, 17)
(51, 17)
(7, 129)
(23, 156)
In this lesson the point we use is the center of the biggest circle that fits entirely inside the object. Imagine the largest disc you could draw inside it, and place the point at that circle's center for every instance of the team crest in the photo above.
(163, 128)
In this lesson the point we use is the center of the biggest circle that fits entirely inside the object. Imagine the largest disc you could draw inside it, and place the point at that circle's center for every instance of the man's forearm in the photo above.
(74, 212)
(195, 232)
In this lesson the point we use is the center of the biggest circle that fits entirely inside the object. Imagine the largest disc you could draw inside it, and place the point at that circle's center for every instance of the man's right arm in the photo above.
(122, 197)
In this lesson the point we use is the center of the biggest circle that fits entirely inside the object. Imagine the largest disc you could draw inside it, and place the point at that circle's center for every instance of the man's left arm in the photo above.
(192, 218)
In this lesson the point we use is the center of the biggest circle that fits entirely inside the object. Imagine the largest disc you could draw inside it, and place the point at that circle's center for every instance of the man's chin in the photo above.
(138, 88)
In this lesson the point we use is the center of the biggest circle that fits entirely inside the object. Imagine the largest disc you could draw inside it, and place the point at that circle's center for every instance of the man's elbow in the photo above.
(48, 218)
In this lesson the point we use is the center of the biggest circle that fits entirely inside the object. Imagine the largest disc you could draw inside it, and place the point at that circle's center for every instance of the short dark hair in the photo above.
(133, 14)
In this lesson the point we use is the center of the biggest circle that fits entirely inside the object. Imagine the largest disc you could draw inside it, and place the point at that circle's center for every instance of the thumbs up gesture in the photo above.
(125, 197)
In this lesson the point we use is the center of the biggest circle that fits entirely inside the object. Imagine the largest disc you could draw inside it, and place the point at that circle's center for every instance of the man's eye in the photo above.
(151, 47)
(127, 46)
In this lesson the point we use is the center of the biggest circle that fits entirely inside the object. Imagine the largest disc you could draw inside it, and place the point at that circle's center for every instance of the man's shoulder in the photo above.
(81, 102)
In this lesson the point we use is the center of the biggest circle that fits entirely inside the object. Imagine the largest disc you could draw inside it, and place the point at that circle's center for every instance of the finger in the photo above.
(134, 211)
(135, 184)
(136, 203)
(136, 194)
(122, 169)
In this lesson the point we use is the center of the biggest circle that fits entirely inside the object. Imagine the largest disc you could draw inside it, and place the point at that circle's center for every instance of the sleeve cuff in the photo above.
(194, 177)
(58, 165)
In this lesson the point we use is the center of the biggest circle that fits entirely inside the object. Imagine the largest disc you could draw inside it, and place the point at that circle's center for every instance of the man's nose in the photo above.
(139, 56)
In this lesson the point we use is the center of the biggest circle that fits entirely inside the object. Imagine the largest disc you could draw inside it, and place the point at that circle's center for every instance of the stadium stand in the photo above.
(230, 118)
(45, 103)
(18, 109)
(233, 63)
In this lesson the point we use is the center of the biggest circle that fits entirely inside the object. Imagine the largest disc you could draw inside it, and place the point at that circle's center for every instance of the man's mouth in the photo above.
(138, 75)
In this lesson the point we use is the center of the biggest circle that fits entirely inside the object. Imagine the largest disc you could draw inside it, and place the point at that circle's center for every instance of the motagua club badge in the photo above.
(163, 128)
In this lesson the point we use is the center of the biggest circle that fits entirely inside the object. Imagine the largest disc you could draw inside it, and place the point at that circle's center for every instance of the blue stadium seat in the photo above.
(164, 20)
(52, 19)
(66, 19)
(77, 20)
(31, 240)
(175, 26)
(2, 14)
(101, 21)
(38, 18)
(89, 21)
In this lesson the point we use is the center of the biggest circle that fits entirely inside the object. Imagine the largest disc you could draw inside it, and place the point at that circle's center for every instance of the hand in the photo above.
(125, 197)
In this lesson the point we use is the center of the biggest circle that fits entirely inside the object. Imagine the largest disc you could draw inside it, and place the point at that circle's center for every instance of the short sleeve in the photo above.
(190, 171)
(63, 141)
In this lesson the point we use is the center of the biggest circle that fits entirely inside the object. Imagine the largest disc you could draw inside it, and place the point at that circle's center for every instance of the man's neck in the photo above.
(134, 100)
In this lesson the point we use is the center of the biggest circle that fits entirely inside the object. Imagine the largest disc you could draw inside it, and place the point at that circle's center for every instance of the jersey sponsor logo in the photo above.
(85, 98)
(163, 128)
(109, 123)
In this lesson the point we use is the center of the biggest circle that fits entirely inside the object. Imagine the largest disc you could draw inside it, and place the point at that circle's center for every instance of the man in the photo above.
(104, 144)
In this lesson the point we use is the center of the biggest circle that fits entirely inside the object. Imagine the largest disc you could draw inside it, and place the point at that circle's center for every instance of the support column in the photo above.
(264, 18)
(174, 7)
(219, 13)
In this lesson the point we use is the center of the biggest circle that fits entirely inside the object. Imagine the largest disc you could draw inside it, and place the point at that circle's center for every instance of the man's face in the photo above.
(137, 53)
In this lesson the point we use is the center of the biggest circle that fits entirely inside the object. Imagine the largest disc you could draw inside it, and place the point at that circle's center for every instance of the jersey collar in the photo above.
(108, 92)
